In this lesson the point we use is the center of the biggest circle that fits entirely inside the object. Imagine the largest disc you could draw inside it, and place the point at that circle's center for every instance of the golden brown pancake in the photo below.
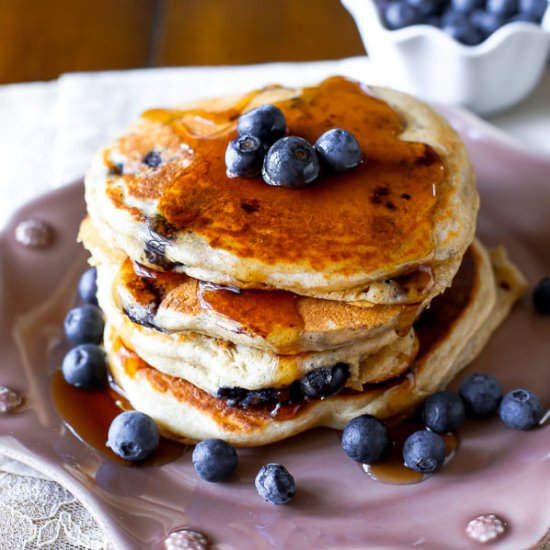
(276, 321)
(451, 334)
(406, 212)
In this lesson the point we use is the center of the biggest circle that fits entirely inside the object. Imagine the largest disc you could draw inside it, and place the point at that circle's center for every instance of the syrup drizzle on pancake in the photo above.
(375, 216)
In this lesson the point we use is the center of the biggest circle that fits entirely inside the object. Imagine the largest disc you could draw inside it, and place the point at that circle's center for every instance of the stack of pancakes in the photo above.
(251, 313)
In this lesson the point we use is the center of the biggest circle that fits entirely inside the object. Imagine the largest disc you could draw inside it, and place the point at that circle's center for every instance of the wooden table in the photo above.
(41, 40)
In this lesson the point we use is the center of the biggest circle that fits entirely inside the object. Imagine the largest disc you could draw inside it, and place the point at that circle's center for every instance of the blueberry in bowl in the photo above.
(457, 51)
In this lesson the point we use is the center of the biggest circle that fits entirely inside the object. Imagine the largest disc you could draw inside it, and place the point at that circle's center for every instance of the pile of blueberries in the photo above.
(134, 436)
(467, 21)
(365, 439)
(262, 148)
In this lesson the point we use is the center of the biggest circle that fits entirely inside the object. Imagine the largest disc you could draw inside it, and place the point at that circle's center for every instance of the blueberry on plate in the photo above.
(84, 325)
(85, 367)
(502, 7)
(266, 122)
(214, 459)
(323, 382)
(338, 149)
(486, 21)
(133, 436)
(520, 409)
(424, 452)
(541, 296)
(365, 439)
(275, 484)
(87, 286)
(290, 162)
(244, 157)
(443, 412)
(401, 14)
(481, 393)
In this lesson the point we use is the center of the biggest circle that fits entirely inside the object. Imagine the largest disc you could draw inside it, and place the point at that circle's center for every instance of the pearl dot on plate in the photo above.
(486, 527)
(34, 233)
(185, 539)
(9, 400)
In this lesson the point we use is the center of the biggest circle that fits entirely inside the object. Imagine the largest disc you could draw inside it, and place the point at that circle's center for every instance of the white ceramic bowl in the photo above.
(424, 61)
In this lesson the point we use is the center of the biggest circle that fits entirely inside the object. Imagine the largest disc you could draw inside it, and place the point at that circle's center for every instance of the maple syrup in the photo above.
(376, 216)
(258, 311)
(392, 469)
(89, 413)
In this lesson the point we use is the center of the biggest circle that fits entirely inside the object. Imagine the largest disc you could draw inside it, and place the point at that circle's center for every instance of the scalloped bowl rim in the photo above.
(492, 42)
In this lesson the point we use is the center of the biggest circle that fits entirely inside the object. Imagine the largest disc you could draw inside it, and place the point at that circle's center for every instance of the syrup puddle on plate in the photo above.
(89, 413)
(392, 470)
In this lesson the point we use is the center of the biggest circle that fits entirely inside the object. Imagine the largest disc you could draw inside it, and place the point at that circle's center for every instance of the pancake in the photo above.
(451, 333)
(277, 321)
(392, 230)
(211, 363)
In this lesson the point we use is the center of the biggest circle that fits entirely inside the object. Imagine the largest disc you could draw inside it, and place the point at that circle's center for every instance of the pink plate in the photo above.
(496, 470)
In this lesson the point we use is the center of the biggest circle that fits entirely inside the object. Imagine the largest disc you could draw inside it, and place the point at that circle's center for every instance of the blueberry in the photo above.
(452, 17)
(487, 22)
(133, 436)
(338, 149)
(433, 21)
(323, 382)
(535, 8)
(266, 122)
(464, 32)
(400, 14)
(424, 452)
(443, 412)
(541, 296)
(520, 409)
(244, 157)
(290, 162)
(214, 459)
(466, 6)
(275, 484)
(152, 159)
(502, 7)
(87, 286)
(365, 439)
(481, 393)
(84, 325)
(426, 7)
(85, 367)
(523, 18)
